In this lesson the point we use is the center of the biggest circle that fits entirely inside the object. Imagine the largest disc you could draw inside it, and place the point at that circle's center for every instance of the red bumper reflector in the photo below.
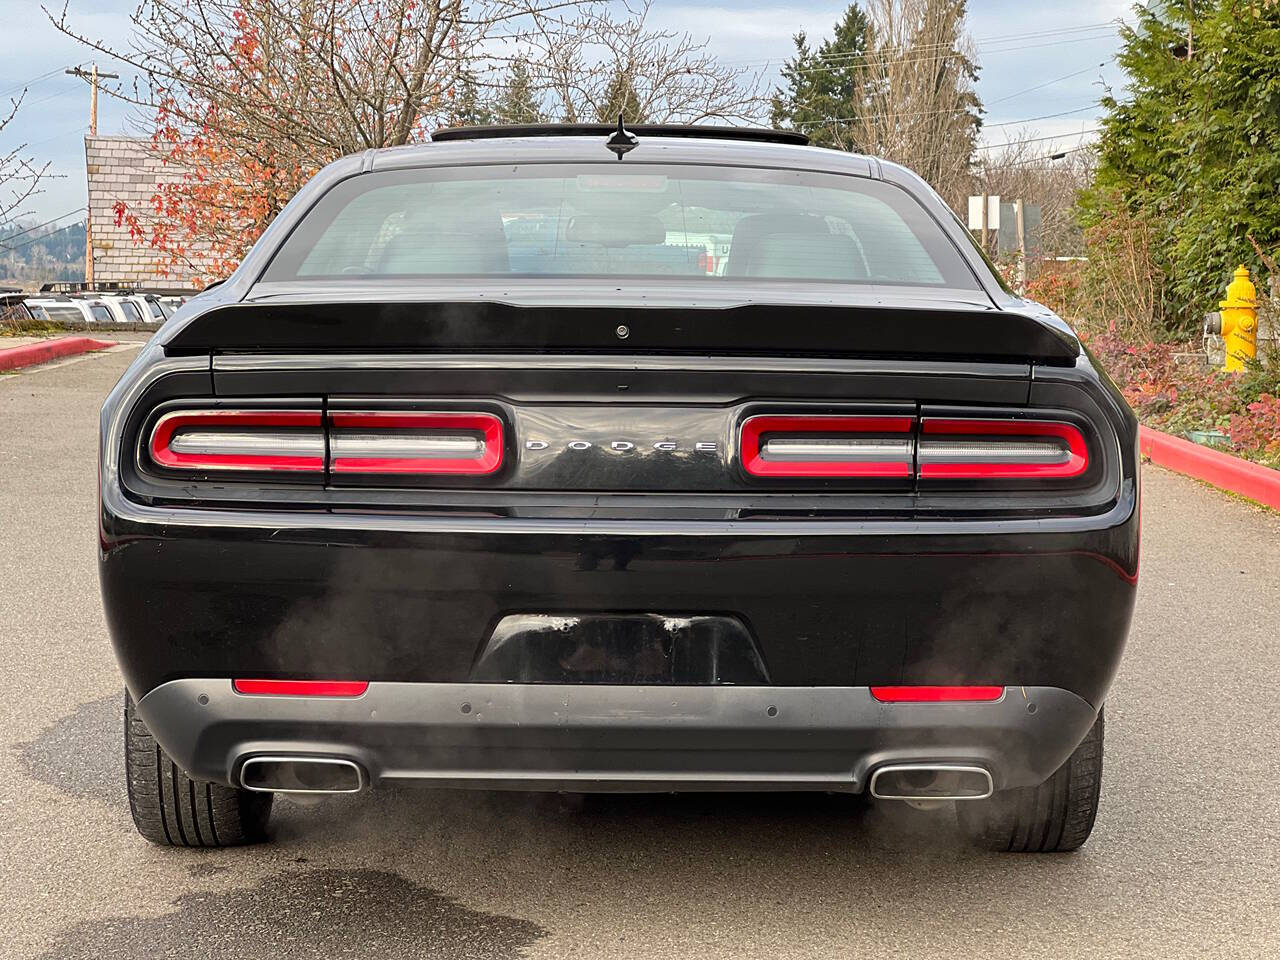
(935, 694)
(395, 442)
(827, 446)
(302, 688)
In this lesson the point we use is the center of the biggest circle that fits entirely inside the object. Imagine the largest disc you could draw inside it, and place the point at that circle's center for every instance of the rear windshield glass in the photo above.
(637, 220)
(64, 313)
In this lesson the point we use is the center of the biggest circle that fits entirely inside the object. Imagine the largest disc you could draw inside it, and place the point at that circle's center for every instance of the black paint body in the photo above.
(839, 583)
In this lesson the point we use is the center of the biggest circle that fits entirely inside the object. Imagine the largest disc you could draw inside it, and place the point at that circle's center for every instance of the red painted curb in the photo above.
(1251, 480)
(31, 353)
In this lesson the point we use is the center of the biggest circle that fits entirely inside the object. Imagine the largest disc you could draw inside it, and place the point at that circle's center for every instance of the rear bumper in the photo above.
(623, 738)
(852, 603)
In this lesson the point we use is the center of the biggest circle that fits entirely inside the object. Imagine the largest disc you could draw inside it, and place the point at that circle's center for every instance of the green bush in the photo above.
(1193, 150)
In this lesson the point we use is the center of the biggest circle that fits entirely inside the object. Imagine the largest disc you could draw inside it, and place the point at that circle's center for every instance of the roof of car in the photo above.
(585, 143)
(693, 131)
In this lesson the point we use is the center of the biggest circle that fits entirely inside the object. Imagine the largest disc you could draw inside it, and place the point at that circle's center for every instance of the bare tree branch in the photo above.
(20, 176)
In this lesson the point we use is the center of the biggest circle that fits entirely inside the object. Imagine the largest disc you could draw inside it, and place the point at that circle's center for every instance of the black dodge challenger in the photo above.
(581, 459)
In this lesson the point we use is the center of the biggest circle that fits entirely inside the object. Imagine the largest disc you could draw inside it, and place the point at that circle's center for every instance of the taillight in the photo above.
(239, 440)
(961, 449)
(407, 442)
(827, 446)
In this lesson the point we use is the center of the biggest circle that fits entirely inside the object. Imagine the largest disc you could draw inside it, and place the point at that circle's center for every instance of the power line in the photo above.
(1045, 116)
(1059, 136)
(952, 110)
(52, 233)
(875, 61)
(1047, 157)
(1113, 25)
(78, 128)
(1047, 83)
(27, 83)
(52, 96)
(45, 224)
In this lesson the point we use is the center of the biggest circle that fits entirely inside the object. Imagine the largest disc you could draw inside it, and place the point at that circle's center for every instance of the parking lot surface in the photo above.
(1184, 862)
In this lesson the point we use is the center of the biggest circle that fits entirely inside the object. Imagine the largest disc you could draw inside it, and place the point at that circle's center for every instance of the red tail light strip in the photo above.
(827, 446)
(936, 694)
(395, 442)
(251, 440)
(301, 688)
(1048, 450)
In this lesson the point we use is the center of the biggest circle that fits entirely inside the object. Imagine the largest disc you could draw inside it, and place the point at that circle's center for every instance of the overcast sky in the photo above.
(1037, 60)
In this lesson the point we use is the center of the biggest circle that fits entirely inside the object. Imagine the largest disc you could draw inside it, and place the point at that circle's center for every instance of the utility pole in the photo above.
(93, 76)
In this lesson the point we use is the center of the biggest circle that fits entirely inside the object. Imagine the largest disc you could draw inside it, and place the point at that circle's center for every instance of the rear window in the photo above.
(64, 314)
(634, 220)
(100, 313)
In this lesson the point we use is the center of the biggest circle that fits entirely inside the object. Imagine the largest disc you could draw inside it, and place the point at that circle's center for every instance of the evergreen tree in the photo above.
(1194, 149)
(621, 98)
(519, 100)
(467, 108)
(820, 88)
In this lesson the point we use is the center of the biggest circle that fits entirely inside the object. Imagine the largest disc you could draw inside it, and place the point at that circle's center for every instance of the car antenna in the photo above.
(622, 142)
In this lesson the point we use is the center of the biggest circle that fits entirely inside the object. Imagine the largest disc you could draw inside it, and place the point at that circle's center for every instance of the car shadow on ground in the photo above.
(405, 872)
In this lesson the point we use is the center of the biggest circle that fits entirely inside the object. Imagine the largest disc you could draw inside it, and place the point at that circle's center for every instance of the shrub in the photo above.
(1057, 286)
(1257, 433)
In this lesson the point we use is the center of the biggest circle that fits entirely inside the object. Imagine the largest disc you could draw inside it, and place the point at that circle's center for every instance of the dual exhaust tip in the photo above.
(302, 775)
(931, 781)
(895, 781)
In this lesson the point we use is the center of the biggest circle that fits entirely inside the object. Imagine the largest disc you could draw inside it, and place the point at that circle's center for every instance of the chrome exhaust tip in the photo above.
(931, 781)
(285, 774)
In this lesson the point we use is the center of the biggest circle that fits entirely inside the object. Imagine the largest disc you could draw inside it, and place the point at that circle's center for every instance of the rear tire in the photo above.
(171, 809)
(1055, 817)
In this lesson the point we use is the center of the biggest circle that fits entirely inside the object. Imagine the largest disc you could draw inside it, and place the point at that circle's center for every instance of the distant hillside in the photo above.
(29, 257)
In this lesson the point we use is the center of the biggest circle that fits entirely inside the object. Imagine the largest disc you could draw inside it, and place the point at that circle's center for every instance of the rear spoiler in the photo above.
(751, 329)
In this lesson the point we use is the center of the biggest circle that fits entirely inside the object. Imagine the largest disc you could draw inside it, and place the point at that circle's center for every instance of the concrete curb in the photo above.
(1251, 480)
(32, 353)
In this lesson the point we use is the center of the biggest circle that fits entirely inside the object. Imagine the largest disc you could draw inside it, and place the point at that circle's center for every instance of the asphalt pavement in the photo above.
(1184, 862)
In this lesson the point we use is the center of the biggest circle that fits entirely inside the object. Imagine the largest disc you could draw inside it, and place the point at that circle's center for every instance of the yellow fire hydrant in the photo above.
(1240, 321)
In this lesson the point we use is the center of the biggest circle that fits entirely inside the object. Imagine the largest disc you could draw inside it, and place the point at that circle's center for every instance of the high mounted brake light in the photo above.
(239, 440)
(827, 446)
(961, 449)
(404, 442)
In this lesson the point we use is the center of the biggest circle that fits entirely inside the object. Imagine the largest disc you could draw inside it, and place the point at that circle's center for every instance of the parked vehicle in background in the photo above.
(472, 475)
(135, 308)
(122, 309)
(171, 304)
(38, 313)
(152, 307)
(15, 312)
(74, 309)
(71, 311)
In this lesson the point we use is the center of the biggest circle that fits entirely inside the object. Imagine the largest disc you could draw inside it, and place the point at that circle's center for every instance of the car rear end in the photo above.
(775, 528)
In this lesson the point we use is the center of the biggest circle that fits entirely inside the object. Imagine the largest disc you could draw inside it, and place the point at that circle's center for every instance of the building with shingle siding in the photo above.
(125, 169)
